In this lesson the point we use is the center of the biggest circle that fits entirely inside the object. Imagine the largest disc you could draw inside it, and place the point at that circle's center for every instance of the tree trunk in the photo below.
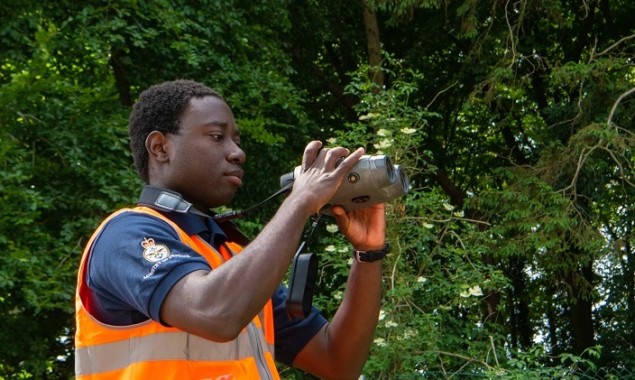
(373, 45)
(552, 321)
(519, 310)
(581, 311)
(121, 79)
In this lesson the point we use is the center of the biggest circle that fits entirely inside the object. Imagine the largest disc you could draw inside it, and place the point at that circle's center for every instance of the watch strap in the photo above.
(371, 256)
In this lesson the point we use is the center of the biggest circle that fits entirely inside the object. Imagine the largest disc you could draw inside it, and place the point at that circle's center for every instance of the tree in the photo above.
(513, 252)
(522, 144)
(70, 73)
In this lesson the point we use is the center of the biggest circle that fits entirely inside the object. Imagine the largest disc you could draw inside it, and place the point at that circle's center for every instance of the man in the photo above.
(163, 291)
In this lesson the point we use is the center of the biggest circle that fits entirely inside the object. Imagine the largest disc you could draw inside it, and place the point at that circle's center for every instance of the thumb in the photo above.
(338, 211)
(341, 218)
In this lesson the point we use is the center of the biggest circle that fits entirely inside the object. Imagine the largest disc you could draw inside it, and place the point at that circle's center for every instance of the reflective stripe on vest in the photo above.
(151, 350)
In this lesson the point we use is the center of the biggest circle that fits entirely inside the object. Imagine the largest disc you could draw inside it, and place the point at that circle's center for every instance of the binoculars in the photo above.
(374, 179)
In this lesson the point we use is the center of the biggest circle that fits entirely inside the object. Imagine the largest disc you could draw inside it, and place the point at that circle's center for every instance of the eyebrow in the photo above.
(221, 124)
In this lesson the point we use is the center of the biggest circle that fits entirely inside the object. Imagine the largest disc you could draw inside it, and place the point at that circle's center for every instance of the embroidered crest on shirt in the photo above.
(154, 252)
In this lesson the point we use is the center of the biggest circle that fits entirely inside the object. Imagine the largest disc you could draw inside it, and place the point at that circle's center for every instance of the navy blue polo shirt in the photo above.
(137, 259)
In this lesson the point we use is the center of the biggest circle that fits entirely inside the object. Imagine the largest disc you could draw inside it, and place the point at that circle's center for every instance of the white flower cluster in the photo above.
(474, 291)
(332, 228)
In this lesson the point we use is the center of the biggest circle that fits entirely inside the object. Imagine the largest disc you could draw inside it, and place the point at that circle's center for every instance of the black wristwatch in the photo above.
(371, 256)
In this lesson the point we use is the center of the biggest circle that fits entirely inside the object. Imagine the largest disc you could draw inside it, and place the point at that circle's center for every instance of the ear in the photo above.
(157, 146)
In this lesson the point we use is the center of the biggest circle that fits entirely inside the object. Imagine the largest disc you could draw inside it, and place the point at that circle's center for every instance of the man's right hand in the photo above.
(322, 174)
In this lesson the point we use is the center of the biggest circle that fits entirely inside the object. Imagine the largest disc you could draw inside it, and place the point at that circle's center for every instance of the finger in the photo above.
(341, 218)
(334, 156)
(310, 153)
(347, 164)
(338, 211)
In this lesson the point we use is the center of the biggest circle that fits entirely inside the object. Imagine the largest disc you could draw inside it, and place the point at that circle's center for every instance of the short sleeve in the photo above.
(292, 334)
(134, 263)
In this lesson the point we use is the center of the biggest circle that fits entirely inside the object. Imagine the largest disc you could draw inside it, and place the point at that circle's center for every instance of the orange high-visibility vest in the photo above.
(149, 350)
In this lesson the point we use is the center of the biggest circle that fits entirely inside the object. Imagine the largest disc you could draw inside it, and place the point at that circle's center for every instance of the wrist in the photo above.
(371, 255)
(369, 247)
(302, 206)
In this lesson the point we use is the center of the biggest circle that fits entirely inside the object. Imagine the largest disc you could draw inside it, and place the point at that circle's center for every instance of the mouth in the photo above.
(235, 176)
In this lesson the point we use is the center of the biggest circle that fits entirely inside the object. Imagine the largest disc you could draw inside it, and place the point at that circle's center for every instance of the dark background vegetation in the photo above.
(512, 254)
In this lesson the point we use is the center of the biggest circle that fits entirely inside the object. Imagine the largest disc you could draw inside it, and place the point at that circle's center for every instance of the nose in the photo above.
(236, 155)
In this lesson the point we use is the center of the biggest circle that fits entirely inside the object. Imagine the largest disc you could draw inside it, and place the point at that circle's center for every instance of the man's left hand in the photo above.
(364, 228)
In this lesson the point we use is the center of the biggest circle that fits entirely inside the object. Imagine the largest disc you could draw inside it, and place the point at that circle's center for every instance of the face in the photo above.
(204, 159)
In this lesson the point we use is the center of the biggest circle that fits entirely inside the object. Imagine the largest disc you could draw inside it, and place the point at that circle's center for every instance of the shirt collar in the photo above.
(190, 222)
(193, 224)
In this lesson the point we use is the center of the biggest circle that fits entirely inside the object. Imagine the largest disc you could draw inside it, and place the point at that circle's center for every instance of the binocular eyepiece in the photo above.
(373, 180)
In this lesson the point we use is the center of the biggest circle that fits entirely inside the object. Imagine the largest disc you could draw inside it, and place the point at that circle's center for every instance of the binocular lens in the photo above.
(403, 179)
(390, 169)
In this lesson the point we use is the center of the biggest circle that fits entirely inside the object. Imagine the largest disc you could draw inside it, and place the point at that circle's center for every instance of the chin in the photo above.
(219, 202)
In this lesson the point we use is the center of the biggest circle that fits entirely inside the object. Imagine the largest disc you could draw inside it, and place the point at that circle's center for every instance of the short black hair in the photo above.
(160, 108)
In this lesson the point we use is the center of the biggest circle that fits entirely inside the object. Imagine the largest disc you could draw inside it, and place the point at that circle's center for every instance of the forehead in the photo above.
(207, 111)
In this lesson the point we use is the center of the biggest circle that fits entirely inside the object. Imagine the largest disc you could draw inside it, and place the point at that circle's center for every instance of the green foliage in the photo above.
(434, 285)
(64, 160)
(513, 252)
(62, 167)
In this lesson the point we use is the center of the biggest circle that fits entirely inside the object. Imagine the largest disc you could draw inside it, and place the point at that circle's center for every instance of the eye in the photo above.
(217, 136)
